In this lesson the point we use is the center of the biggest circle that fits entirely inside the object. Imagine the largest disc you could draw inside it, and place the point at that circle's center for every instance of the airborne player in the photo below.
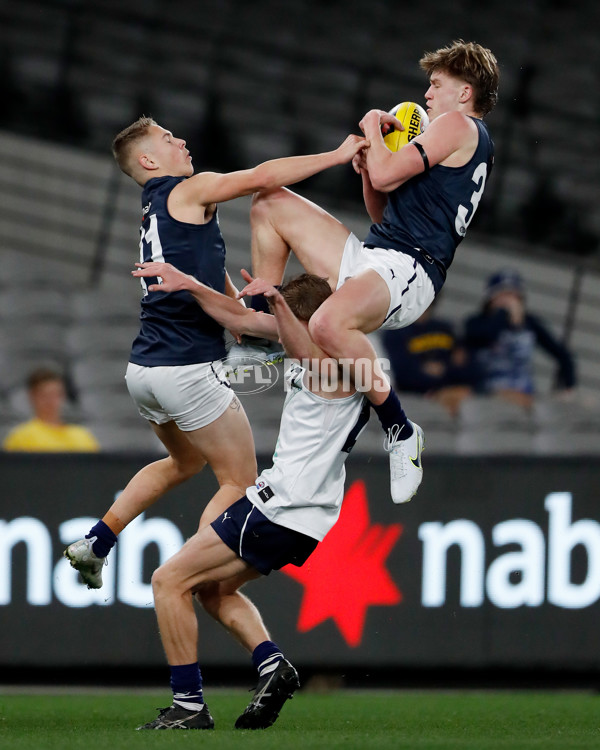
(421, 200)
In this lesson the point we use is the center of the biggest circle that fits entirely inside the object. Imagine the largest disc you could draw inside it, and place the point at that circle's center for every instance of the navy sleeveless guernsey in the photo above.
(175, 330)
(428, 215)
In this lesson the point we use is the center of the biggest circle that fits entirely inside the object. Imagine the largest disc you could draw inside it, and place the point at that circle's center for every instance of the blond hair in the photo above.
(472, 63)
(124, 142)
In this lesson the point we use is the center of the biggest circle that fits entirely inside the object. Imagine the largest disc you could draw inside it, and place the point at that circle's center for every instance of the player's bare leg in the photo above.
(282, 220)
(202, 558)
(234, 610)
(277, 678)
(339, 327)
(226, 445)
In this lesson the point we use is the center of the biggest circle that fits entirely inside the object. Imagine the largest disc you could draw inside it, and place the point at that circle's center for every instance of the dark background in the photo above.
(397, 641)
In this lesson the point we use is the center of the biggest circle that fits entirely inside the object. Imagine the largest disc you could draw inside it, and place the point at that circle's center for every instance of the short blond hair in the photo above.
(124, 142)
(472, 63)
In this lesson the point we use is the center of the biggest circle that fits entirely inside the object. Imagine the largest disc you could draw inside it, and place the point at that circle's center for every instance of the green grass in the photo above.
(343, 719)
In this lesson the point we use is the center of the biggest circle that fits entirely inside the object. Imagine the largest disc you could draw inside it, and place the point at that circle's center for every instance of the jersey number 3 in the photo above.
(465, 214)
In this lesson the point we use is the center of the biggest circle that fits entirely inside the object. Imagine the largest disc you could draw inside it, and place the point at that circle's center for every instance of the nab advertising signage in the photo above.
(496, 562)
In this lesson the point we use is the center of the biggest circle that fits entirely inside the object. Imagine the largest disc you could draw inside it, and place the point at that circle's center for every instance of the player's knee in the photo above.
(263, 203)
(324, 329)
(160, 582)
(188, 468)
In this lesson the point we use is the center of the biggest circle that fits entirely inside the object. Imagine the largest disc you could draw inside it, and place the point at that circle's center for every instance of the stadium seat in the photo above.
(439, 427)
(120, 438)
(566, 428)
(23, 304)
(93, 373)
(490, 425)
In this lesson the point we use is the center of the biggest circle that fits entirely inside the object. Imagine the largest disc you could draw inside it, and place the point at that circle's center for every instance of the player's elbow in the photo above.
(263, 178)
(379, 182)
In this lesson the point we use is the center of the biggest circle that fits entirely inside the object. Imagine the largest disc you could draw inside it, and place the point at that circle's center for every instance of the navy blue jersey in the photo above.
(175, 330)
(428, 215)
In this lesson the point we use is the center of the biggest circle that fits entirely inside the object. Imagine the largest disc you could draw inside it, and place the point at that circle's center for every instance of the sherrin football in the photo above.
(415, 120)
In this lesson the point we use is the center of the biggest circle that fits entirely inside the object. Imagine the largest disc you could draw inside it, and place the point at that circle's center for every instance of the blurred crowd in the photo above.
(491, 353)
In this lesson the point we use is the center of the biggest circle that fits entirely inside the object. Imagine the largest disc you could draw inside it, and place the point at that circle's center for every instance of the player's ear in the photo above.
(147, 162)
(465, 94)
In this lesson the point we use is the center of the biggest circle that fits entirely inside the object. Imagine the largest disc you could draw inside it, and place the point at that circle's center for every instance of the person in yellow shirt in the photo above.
(47, 431)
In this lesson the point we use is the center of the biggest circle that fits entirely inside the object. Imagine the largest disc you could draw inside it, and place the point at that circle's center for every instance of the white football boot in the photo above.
(82, 558)
(406, 470)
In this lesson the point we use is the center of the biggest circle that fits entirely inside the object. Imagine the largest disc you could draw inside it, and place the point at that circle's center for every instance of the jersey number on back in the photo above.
(465, 213)
(151, 238)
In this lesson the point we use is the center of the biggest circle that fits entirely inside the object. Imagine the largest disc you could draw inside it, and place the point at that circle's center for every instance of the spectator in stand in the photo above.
(47, 430)
(428, 358)
(503, 337)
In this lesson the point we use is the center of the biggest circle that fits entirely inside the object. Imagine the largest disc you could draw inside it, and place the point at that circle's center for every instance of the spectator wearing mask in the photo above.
(503, 337)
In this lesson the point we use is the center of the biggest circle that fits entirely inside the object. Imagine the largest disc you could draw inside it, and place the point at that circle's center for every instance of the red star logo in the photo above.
(346, 574)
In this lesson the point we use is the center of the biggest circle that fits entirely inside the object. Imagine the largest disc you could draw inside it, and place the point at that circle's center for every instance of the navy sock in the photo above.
(390, 413)
(266, 656)
(186, 684)
(260, 303)
(105, 539)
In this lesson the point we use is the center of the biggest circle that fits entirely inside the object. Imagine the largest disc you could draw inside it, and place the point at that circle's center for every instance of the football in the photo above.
(415, 120)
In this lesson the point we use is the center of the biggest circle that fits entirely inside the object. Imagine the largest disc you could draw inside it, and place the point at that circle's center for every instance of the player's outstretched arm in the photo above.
(207, 188)
(224, 309)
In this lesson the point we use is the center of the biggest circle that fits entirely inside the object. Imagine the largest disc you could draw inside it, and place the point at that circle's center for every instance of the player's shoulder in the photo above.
(453, 122)
(197, 189)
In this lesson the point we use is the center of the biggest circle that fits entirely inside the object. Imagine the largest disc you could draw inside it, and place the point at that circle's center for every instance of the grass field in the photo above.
(343, 719)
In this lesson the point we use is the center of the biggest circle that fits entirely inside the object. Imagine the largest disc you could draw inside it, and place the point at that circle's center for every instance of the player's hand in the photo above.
(257, 286)
(173, 280)
(359, 162)
(375, 118)
(351, 146)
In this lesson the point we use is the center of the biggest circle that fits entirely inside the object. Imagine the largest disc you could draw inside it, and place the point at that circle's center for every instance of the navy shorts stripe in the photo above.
(410, 281)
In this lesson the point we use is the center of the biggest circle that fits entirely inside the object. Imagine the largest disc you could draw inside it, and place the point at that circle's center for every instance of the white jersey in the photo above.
(304, 488)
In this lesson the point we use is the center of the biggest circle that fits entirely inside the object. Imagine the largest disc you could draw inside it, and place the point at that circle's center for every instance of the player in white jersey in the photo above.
(304, 488)
(282, 517)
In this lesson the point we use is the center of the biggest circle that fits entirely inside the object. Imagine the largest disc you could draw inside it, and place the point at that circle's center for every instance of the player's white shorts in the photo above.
(192, 396)
(411, 289)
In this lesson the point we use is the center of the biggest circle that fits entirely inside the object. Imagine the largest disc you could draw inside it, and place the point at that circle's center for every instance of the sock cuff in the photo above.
(186, 683)
(102, 531)
(266, 653)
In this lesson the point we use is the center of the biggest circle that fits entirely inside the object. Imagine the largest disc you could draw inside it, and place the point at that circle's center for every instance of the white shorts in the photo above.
(411, 289)
(192, 396)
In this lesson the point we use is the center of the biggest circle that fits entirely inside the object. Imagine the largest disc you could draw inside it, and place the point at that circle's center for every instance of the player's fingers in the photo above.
(246, 276)
(387, 118)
